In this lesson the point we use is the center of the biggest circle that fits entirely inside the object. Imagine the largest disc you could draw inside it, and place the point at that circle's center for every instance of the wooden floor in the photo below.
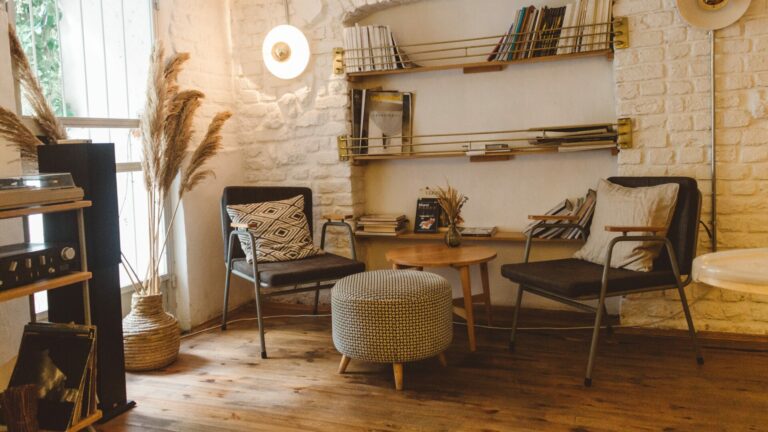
(642, 382)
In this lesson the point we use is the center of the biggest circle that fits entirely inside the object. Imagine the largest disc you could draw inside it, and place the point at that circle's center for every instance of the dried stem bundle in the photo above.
(452, 201)
(167, 129)
(14, 131)
(44, 116)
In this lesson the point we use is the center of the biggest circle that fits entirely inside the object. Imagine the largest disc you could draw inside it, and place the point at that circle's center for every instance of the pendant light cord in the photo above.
(713, 155)
(287, 15)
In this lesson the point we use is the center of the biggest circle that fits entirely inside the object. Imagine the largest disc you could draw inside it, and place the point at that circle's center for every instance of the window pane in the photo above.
(134, 226)
(127, 141)
(91, 55)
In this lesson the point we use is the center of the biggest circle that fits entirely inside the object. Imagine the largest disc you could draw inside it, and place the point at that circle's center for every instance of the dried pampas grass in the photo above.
(452, 201)
(207, 149)
(47, 121)
(167, 129)
(18, 135)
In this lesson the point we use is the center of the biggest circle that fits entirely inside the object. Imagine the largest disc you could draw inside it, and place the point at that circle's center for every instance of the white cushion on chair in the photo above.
(622, 206)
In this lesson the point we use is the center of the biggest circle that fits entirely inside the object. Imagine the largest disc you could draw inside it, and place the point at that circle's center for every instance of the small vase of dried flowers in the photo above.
(452, 202)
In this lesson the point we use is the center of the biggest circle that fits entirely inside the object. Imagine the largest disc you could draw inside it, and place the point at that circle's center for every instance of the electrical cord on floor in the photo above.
(647, 324)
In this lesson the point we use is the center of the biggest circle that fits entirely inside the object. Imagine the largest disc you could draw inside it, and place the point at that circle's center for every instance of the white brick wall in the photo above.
(662, 81)
(288, 129)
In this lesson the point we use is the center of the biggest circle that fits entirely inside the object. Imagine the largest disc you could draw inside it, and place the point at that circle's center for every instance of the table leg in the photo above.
(486, 292)
(396, 266)
(466, 286)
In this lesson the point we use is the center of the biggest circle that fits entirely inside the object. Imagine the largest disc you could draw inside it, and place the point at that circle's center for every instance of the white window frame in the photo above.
(168, 280)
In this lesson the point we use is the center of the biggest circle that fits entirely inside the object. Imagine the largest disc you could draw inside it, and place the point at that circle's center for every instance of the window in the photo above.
(91, 57)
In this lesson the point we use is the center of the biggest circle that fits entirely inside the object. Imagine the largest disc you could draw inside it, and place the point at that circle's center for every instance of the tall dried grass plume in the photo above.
(18, 135)
(49, 124)
(167, 129)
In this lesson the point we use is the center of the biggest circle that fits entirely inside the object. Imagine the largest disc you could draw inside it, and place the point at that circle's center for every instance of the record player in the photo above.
(39, 189)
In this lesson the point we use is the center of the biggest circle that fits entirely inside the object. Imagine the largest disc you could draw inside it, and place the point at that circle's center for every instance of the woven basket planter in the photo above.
(151, 335)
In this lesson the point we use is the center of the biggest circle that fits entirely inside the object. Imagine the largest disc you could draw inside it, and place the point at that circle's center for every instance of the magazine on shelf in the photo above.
(386, 120)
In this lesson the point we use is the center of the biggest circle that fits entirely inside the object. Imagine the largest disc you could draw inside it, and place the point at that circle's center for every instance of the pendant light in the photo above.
(712, 15)
(285, 50)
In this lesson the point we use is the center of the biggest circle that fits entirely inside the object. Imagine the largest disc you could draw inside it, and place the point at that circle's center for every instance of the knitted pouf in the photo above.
(391, 316)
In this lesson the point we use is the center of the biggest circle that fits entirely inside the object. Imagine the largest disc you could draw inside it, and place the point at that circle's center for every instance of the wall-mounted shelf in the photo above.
(500, 236)
(477, 67)
(475, 145)
(478, 54)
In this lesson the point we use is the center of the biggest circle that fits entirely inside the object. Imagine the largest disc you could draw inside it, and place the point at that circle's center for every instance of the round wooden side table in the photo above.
(460, 258)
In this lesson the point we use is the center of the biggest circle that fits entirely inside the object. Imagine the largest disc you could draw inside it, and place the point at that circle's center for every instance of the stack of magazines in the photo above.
(382, 224)
(571, 139)
(372, 48)
(579, 212)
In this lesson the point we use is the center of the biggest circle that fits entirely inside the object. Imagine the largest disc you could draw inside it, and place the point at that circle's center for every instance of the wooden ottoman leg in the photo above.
(344, 363)
(398, 368)
(441, 358)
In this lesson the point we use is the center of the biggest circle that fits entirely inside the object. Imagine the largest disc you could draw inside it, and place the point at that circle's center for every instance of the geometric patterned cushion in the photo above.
(280, 228)
(392, 316)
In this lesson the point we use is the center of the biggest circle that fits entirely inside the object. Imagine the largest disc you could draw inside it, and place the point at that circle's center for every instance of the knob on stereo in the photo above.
(68, 253)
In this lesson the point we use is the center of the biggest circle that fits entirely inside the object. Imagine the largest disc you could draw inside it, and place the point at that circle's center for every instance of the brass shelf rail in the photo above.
(599, 39)
(478, 146)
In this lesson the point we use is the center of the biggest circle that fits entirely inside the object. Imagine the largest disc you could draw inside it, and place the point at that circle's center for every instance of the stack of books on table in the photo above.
(579, 212)
(382, 224)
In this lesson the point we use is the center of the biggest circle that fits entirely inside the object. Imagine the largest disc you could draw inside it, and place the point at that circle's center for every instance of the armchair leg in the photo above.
(691, 329)
(226, 282)
(595, 338)
(608, 326)
(258, 313)
(515, 317)
(226, 298)
(317, 300)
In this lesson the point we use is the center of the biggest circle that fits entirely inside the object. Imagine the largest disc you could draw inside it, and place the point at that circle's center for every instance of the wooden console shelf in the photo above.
(44, 285)
(500, 236)
(51, 208)
(474, 67)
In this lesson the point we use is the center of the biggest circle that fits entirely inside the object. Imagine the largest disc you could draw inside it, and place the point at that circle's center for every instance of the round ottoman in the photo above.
(392, 316)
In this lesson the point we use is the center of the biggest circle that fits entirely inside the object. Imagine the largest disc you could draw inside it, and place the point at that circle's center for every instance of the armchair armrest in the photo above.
(554, 217)
(335, 217)
(626, 229)
(242, 225)
(337, 220)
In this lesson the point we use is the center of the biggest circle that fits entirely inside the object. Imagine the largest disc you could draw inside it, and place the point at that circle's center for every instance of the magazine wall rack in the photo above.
(483, 54)
(491, 145)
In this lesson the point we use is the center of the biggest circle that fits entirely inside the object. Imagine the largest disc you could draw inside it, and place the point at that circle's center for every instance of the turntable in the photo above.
(39, 189)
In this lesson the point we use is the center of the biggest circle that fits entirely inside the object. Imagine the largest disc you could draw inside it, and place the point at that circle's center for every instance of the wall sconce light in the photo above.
(285, 50)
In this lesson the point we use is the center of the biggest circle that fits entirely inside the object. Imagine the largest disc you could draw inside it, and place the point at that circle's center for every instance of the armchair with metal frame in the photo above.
(571, 281)
(308, 274)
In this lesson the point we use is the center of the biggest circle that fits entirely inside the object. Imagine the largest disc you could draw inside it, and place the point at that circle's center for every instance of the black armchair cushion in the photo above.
(324, 267)
(577, 279)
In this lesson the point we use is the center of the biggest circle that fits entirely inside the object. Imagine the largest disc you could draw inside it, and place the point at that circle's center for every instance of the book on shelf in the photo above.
(372, 48)
(478, 231)
(382, 121)
(381, 218)
(580, 26)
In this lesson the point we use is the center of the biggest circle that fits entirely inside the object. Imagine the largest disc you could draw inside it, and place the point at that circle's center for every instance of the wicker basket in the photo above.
(151, 335)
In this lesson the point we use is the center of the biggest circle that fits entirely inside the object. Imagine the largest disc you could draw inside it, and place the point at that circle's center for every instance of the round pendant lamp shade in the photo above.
(285, 51)
(712, 14)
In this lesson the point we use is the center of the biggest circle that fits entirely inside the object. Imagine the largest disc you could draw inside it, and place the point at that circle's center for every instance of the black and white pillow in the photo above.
(280, 228)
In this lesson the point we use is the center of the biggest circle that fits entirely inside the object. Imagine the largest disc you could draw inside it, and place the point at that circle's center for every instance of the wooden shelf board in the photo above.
(51, 208)
(44, 285)
(88, 421)
(501, 236)
(477, 158)
(474, 67)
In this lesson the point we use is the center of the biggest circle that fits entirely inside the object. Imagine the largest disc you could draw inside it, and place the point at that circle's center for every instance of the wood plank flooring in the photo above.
(643, 381)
